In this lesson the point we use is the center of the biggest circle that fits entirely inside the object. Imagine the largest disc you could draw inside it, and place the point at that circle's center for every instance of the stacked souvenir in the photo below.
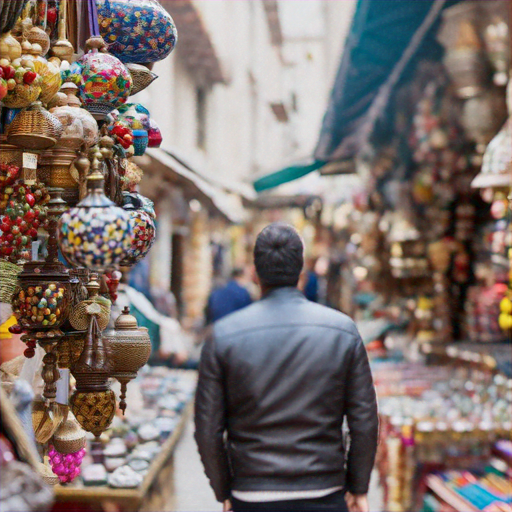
(68, 193)
(436, 416)
(158, 404)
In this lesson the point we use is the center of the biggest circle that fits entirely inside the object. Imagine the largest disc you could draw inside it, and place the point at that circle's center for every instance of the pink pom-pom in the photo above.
(63, 479)
(52, 452)
(58, 469)
(57, 458)
(70, 458)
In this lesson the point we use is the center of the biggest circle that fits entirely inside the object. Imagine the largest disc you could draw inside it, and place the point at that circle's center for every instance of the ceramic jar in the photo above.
(95, 234)
(137, 30)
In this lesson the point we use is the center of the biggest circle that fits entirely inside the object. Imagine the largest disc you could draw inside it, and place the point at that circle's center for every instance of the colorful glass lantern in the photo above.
(137, 30)
(95, 234)
(142, 217)
(133, 115)
(154, 135)
(103, 80)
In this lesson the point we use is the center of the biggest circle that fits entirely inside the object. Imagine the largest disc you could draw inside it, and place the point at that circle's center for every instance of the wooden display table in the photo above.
(156, 493)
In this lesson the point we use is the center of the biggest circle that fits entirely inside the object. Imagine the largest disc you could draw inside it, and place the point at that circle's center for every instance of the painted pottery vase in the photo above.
(137, 30)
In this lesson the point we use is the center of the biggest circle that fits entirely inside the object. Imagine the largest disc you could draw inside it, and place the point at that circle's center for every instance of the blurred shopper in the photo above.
(311, 286)
(229, 298)
(276, 381)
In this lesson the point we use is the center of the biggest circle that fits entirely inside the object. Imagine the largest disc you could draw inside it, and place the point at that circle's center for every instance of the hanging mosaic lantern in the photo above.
(95, 234)
(142, 215)
(103, 81)
(133, 115)
(93, 403)
(137, 30)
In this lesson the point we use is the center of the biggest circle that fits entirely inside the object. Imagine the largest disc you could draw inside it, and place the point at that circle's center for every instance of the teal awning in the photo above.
(387, 39)
(286, 174)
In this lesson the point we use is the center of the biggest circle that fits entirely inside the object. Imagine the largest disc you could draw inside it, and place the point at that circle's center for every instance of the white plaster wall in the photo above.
(243, 136)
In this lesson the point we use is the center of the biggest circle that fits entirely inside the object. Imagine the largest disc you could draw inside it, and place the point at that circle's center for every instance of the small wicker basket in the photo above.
(69, 437)
(8, 280)
(22, 96)
(10, 154)
(34, 128)
(142, 77)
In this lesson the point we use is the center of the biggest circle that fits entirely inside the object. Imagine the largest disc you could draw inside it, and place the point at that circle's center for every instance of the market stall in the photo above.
(72, 217)
(429, 244)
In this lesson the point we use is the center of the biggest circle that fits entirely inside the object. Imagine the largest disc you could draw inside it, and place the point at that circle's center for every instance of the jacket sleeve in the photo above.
(210, 421)
(363, 422)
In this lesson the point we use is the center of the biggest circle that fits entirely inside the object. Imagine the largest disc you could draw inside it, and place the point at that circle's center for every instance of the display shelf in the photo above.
(131, 499)
(438, 487)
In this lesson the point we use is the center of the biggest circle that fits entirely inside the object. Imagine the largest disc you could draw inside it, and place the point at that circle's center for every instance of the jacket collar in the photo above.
(284, 292)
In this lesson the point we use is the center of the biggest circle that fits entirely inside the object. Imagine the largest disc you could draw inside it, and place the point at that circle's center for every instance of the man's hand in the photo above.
(357, 502)
(227, 506)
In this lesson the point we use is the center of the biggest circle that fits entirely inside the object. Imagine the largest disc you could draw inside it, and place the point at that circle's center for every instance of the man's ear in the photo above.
(302, 279)
(254, 276)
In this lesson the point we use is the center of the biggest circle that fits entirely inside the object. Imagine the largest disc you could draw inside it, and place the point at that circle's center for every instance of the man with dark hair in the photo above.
(276, 381)
(228, 298)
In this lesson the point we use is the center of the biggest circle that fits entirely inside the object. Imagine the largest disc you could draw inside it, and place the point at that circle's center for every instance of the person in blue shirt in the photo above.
(228, 298)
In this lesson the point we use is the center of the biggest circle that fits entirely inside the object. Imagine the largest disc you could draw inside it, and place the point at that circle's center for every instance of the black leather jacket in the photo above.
(275, 382)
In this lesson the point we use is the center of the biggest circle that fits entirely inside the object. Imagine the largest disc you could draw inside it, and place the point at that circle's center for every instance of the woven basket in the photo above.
(22, 96)
(79, 318)
(8, 279)
(34, 128)
(69, 437)
(39, 36)
(47, 474)
(60, 176)
(10, 155)
(142, 77)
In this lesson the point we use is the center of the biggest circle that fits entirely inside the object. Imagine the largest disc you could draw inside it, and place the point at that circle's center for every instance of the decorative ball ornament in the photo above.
(66, 465)
(95, 234)
(137, 30)
(103, 80)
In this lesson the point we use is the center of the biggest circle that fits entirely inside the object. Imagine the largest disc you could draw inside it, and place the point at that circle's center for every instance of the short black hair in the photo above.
(279, 255)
